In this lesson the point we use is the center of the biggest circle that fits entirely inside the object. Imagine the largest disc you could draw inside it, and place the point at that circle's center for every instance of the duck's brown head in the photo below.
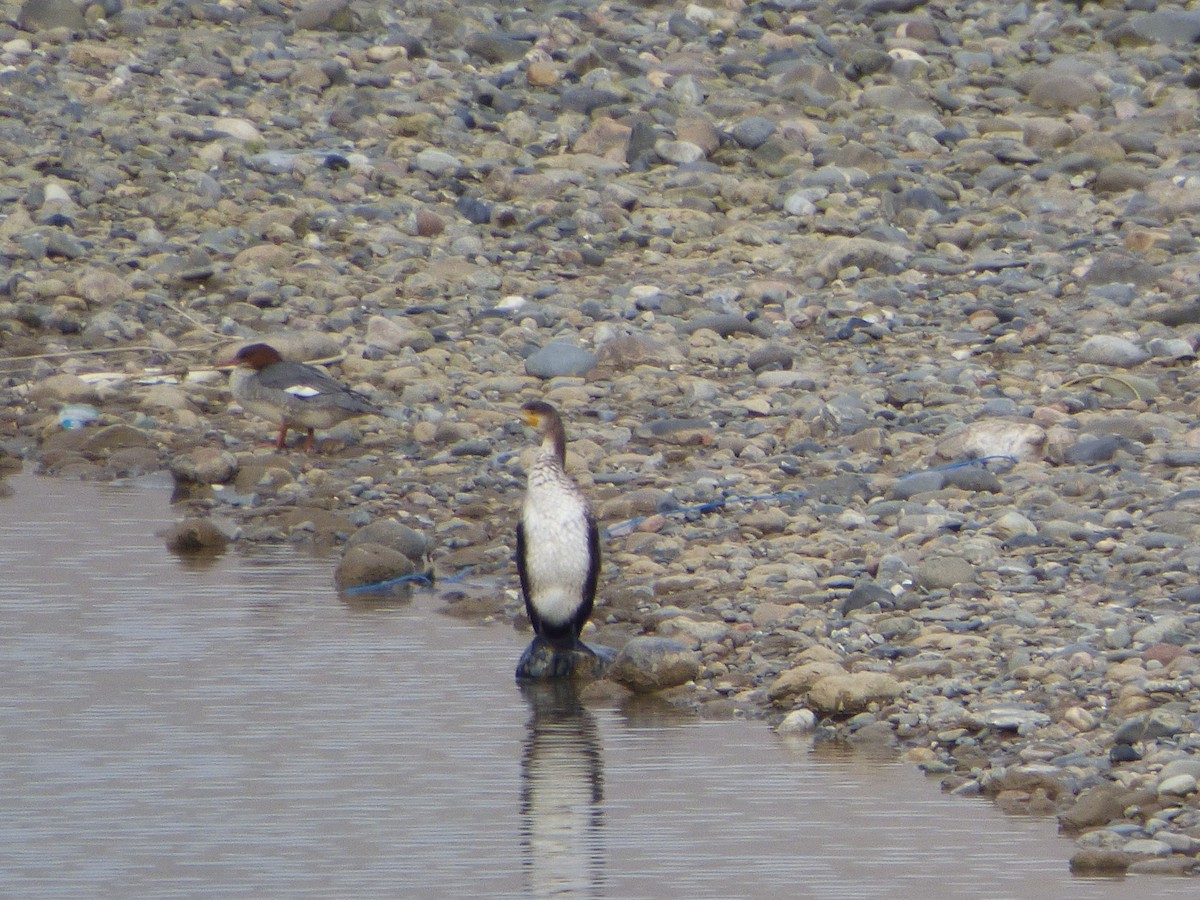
(255, 356)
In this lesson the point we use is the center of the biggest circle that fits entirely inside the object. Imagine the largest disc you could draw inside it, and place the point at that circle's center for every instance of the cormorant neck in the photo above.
(554, 443)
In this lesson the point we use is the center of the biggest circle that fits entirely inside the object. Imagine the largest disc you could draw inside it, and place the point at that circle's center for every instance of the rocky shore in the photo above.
(874, 325)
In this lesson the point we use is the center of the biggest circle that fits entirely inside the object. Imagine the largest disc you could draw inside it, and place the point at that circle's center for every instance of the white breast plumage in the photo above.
(555, 519)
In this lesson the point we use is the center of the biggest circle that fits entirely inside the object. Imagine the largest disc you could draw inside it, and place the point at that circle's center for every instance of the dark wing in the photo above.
(299, 379)
(355, 402)
(308, 384)
(593, 574)
(523, 572)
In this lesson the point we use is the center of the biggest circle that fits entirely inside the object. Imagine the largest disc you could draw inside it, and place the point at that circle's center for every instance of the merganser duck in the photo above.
(293, 394)
(558, 547)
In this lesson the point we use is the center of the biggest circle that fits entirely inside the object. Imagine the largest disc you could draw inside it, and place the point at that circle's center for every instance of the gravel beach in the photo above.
(873, 325)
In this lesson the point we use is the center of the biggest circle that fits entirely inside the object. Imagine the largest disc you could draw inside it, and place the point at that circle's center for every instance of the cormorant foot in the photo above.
(543, 660)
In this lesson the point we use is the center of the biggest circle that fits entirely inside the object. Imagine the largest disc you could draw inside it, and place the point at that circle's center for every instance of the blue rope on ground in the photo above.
(622, 528)
(416, 578)
(391, 582)
(979, 460)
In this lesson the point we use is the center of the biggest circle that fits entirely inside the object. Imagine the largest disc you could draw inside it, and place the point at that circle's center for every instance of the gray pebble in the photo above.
(559, 358)
(1111, 350)
(944, 572)
(753, 131)
(918, 483)
(436, 162)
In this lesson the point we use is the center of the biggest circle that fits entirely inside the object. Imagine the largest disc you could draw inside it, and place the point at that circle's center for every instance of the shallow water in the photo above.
(234, 728)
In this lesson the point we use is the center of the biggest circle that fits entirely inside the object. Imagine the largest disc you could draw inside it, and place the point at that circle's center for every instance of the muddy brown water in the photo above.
(235, 729)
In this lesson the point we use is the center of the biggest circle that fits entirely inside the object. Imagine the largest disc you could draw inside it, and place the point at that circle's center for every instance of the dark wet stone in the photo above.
(863, 595)
(753, 131)
(497, 48)
(649, 664)
(472, 447)
(1179, 314)
(411, 43)
(541, 661)
(592, 257)
(681, 26)
(1123, 753)
(852, 328)
(587, 100)
(867, 61)
(474, 210)
(641, 141)
(1188, 594)
(195, 535)
(1090, 450)
(1182, 458)
(973, 478)
(1095, 860)
(770, 358)
(917, 483)
(724, 324)
(879, 7)
(60, 243)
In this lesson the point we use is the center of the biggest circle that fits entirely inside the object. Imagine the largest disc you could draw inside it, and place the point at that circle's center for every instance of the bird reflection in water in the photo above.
(562, 789)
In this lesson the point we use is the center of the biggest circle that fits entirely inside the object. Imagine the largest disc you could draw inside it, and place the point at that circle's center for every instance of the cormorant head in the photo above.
(539, 415)
(545, 420)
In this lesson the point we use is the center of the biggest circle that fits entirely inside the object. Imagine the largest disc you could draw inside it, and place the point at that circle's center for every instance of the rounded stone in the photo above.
(436, 162)
(753, 131)
(1112, 350)
(559, 358)
(204, 465)
(1099, 861)
(195, 536)
(367, 564)
(649, 664)
(394, 534)
(944, 573)
(850, 693)
(1179, 785)
(798, 721)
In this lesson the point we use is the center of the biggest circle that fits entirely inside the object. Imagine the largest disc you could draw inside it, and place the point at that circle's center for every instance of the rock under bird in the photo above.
(558, 547)
(292, 394)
